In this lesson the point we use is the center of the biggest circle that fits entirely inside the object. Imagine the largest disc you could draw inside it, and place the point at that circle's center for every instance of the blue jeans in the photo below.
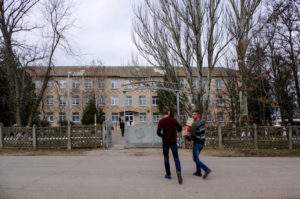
(197, 147)
(174, 150)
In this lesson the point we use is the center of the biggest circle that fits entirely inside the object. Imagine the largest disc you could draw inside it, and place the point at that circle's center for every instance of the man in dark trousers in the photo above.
(122, 126)
(198, 137)
(169, 126)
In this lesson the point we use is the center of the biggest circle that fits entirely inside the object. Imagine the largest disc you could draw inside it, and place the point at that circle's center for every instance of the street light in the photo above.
(124, 93)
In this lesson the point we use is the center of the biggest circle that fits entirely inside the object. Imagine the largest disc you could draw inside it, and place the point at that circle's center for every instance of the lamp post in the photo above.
(124, 93)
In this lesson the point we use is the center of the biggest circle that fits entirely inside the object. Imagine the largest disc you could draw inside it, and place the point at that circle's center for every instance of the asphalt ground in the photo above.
(139, 173)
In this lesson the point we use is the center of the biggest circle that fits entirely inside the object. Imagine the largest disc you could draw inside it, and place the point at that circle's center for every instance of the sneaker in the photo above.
(179, 178)
(206, 173)
(167, 176)
(197, 174)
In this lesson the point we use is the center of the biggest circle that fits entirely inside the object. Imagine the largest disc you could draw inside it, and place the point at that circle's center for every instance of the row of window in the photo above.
(101, 100)
(88, 84)
(62, 116)
(114, 117)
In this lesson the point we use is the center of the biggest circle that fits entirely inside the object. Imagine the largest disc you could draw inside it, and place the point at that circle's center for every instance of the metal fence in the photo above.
(51, 137)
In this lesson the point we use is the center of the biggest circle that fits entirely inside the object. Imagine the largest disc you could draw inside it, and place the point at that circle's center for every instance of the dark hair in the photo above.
(166, 111)
(196, 111)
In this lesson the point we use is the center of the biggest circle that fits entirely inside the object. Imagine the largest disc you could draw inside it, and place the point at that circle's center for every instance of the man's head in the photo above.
(166, 111)
(196, 114)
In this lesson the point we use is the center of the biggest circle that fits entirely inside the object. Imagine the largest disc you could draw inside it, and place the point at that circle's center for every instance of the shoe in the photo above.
(206, 173)
(197, 174)
(168, 177)
(179, 178)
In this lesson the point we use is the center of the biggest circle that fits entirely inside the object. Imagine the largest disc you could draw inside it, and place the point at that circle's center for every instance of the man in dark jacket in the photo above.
(170, 126)
(198, 137)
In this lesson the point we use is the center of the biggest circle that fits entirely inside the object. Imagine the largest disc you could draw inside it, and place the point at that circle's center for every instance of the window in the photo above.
(154, 100)
(143, 117)
(62, 100)
(127, 81)
(128, 100)
(195, 85)
(114, 117)
(62, 116)
(37, 84)
(50, 84)
(62, 83)
(49, 99)
(101, 83)
(220, 117)
(88, 84)
(181, 83)
(141, 85)
(204, 82)
(142, 100)
(114, 100)
(75, 117)
(87, 100)
(218, 84)
(75, 84)
(50, 117)
(155, 117)
(208, 117)
(114, 84)
(219, 100)
(153, 84)
(101, 100)
(75, 100)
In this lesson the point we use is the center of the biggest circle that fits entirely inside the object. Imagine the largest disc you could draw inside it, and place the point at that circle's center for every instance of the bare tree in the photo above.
(174, 33)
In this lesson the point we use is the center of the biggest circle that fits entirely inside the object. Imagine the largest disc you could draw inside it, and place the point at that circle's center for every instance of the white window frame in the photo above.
(142, 100)
(114, 117)
(218, 102)
(101, 83)
(101, 100)
(50, 117)
(143, 117)
(218, 84)
(37, 84)
(154, 100)
(155, 117)
(75, 100)
(220, 114)
(127, 81)
(75, 117)
(62, 100)
(114, 100)
(62, 116)
(49, 99)
(87, 99)
(62, 83)
(88, 84)
(50, 84)
(114, 84)
(75, 84)
(128, 100)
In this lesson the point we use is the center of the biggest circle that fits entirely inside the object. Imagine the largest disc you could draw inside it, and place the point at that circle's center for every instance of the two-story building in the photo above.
(70, 90)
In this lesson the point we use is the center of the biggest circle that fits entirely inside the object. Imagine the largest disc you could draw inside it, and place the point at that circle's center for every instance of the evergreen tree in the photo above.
(89, 113)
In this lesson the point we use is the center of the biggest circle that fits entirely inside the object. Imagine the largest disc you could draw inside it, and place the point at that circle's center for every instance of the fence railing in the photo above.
(251, 137)
(51, 137)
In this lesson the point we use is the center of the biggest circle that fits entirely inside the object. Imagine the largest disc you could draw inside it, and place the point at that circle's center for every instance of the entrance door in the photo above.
(129, 118)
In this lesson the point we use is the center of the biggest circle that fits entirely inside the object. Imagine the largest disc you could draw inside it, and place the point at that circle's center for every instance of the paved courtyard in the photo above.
(138, 173)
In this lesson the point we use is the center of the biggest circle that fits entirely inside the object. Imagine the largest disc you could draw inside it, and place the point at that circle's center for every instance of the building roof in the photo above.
(116, 71)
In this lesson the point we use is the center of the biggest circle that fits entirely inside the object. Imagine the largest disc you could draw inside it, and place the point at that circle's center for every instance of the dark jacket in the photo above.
(169, 126)
(198, 131)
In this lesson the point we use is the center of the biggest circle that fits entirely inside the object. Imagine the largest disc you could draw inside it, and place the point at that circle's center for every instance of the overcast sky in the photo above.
(103, 32)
